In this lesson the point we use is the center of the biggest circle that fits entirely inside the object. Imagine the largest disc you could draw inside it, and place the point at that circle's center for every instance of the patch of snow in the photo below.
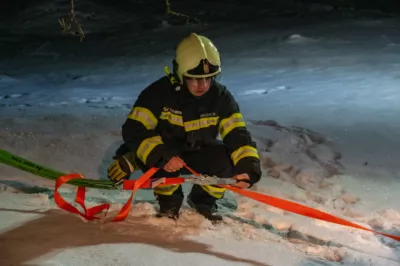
(299, 39)
(330, 143)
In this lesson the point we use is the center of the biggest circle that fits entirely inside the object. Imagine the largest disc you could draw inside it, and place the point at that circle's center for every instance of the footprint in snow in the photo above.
(92, 100)
(13, 96)
(265, 91)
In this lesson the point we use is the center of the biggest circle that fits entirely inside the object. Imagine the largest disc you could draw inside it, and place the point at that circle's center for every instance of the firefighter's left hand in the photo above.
(120, 169)
(242, 184)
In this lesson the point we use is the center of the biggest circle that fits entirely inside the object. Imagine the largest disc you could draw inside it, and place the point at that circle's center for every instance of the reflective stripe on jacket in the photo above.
(165, 120)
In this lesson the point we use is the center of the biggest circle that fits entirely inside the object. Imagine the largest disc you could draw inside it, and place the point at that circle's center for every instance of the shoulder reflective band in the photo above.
(144, 116)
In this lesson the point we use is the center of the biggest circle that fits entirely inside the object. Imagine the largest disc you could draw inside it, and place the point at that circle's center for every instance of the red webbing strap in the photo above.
(145, 182)
(297, 208)
(88, 214)
(301, 209)
(124, 212)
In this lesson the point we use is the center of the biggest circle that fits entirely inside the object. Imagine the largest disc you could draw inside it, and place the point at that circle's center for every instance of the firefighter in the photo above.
(187, 117)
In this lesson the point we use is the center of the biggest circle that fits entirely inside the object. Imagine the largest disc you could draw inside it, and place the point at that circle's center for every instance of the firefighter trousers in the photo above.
(213, 160)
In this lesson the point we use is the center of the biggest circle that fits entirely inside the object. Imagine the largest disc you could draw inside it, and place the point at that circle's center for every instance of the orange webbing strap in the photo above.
(129, 184)
(144, 182)
(297, 208)
(80, 199)
(124, 212)
(90, 213)
(301, 209)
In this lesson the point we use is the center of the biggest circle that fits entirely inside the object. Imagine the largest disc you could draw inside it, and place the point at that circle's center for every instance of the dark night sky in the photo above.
(25, 21)
(19, 10)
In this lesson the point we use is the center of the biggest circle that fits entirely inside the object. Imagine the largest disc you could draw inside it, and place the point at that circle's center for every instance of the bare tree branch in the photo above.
(170, 12)
(70, 24)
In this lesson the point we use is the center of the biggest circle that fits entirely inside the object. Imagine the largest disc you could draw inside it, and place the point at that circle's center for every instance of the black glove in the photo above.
(120, 169)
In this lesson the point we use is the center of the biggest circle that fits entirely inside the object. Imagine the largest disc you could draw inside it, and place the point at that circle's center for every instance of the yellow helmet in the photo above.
(197, 57)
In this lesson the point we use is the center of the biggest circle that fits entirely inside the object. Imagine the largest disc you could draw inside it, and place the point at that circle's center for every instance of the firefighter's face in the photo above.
(198, 86)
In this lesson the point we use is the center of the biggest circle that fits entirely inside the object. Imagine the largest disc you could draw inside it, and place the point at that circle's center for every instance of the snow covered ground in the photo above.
(332, 89)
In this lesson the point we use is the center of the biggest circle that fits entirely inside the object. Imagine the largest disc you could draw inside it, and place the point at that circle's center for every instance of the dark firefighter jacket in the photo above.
(167, 119)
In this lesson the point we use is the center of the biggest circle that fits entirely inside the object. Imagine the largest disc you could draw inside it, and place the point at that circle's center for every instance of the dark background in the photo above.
(23, 16)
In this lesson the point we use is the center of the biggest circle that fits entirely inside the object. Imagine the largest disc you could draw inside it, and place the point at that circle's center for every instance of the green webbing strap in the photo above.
(43, 171)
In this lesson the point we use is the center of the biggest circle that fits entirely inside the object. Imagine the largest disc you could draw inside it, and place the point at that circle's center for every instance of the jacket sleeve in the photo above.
(138, 131)
(235, 135)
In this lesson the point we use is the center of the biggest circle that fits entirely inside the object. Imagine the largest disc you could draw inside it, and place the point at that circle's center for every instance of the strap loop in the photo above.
(145, 182)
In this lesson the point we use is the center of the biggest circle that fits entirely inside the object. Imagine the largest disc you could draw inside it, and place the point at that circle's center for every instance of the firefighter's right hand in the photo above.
(174, 164)
(120, 169)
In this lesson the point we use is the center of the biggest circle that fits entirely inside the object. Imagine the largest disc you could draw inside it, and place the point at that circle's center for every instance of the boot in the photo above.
(169, 206)
(209, 210)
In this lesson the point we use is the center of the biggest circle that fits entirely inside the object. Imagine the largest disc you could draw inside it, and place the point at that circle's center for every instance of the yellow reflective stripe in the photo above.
(216, 192)
(144, 116)
(242, 152)
(228, 124)
(201, 123)
(166, 190)
(147, 146)
(115, 172)
(172, 118)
